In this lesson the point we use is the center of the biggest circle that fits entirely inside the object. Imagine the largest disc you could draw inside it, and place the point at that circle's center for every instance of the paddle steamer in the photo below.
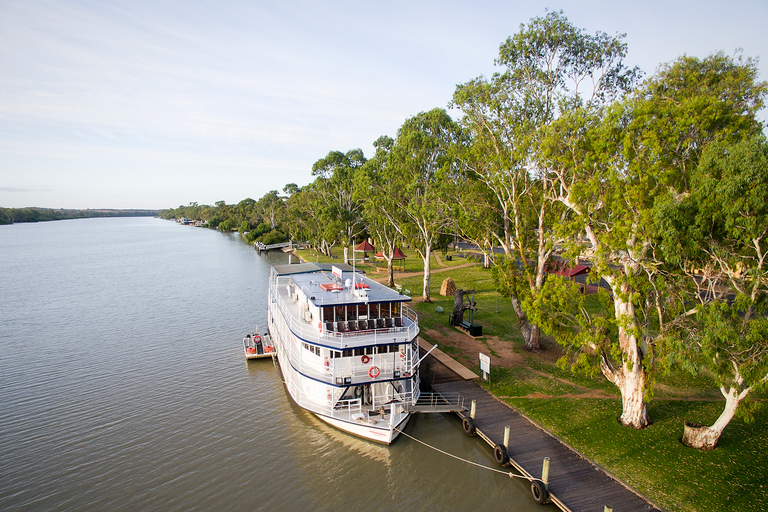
(347, 347)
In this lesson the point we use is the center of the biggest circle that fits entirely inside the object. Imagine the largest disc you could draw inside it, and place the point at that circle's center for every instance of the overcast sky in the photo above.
(154, 104)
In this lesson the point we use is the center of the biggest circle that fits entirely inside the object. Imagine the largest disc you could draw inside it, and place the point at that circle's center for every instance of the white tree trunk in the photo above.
(706, 438)
(630, 377)
(425, 297)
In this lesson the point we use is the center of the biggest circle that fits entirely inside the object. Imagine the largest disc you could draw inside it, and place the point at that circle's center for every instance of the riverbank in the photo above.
(582, 410)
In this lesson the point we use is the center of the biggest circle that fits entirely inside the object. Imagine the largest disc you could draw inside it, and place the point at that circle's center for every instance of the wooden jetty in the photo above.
(261, 247)
(568, 480)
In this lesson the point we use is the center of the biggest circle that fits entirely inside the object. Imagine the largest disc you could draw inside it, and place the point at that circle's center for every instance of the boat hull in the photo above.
(385, 435)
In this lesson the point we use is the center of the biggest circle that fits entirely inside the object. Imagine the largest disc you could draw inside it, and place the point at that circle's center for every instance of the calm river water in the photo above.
(123, 387)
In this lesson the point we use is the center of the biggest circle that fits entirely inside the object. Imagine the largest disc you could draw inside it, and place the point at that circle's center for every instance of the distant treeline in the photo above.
(14, 215)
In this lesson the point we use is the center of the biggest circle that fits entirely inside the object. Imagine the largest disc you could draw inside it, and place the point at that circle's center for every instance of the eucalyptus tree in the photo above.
(340, 211)
(611, 167)
(376, 192)
(420, 169)
(270, 208)
(718, 237)
(303, 222)
(551, 67)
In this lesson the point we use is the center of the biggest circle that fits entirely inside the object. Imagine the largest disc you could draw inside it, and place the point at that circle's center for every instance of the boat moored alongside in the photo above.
(347, 348)
(256, 346)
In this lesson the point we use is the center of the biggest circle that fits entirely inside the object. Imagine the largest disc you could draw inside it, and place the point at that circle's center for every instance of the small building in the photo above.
(398, 260)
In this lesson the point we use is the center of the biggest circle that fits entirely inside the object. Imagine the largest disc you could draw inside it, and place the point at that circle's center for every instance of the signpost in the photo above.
(485, 366)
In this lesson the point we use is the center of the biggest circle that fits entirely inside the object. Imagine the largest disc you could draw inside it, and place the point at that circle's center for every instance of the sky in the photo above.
(156, 104)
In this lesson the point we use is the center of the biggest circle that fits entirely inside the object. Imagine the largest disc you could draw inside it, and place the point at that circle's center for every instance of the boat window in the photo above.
(394, 348)
(328, 314)
(373, 310)
(359, 352)
(347, 353)
(362, 311)
(396, 309)
(335, 354)
(340, 314)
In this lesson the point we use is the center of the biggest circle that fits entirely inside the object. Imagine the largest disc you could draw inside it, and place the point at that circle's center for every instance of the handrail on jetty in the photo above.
(259, 246)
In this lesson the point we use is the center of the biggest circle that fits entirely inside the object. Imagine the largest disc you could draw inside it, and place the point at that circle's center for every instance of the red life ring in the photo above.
(256, 337)
(373, 372)
(365, 359)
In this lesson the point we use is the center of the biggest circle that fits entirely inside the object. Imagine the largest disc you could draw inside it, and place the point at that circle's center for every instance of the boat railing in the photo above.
(353, 368)
(352, 405)
(348, 409)
(341, 340)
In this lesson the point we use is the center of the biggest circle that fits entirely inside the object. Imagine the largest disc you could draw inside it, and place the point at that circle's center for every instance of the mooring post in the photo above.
(473, 410)
(545, 471)
(506, 438)
(608, 508)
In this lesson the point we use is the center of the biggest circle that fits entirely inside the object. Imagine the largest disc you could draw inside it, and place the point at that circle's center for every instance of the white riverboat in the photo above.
(347, 348)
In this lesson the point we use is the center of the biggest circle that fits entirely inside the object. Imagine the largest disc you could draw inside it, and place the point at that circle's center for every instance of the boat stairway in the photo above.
(435, 402)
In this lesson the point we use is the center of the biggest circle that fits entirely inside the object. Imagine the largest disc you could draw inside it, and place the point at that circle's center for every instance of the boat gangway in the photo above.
(558, 474)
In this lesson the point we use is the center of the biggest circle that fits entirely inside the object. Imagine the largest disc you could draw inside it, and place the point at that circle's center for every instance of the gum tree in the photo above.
(724, 225)
(611, 167)
(550, 67)
(338, 208)
(376, 192)
(421, 168)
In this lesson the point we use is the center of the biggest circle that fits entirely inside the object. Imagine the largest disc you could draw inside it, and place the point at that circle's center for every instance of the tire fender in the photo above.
(539, 492)
(469, 426)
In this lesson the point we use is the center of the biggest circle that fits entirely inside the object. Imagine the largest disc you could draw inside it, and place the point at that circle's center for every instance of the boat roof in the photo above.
(323, 288)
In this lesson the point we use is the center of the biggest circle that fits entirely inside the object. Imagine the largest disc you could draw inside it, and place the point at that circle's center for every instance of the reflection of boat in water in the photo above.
(347, 348)
(257, 346)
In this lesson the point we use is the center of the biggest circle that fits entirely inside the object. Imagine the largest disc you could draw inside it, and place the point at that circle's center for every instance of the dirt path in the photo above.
(401, 275)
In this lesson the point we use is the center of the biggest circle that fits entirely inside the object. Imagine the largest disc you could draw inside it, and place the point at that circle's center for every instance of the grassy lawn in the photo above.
(733, 477)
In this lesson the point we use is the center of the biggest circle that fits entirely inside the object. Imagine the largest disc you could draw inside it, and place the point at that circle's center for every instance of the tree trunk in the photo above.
(425, 297)
(706, 438)
(630, 377)
(390, 273)
(346, 254)
(531, 332)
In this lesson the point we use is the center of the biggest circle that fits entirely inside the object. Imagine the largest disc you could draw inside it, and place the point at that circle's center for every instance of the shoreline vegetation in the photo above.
(33, 214)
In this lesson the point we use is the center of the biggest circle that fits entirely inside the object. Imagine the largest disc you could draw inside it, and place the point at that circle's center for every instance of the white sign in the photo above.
(485, 363)
(336, 271)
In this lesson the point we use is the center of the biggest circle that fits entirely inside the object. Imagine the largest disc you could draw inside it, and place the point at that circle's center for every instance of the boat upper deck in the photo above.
(341, 309)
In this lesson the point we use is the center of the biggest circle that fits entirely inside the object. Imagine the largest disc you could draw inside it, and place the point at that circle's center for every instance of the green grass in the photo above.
(655, 462)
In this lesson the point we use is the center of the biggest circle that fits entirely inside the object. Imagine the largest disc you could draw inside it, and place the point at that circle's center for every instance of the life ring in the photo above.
(373, 372)
(256, 337)
(365, 359)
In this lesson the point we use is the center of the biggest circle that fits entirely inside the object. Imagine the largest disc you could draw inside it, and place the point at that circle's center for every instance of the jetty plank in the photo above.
(575, 483)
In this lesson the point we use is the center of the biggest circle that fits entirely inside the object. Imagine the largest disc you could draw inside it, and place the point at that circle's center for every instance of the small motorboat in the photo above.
(256, 346)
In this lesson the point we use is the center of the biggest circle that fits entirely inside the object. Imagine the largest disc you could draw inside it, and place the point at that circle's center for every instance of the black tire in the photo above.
(500, 453)
(469, 426)
(539, 492)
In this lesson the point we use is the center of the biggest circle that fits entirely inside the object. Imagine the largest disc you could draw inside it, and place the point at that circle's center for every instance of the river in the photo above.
(123, 386)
